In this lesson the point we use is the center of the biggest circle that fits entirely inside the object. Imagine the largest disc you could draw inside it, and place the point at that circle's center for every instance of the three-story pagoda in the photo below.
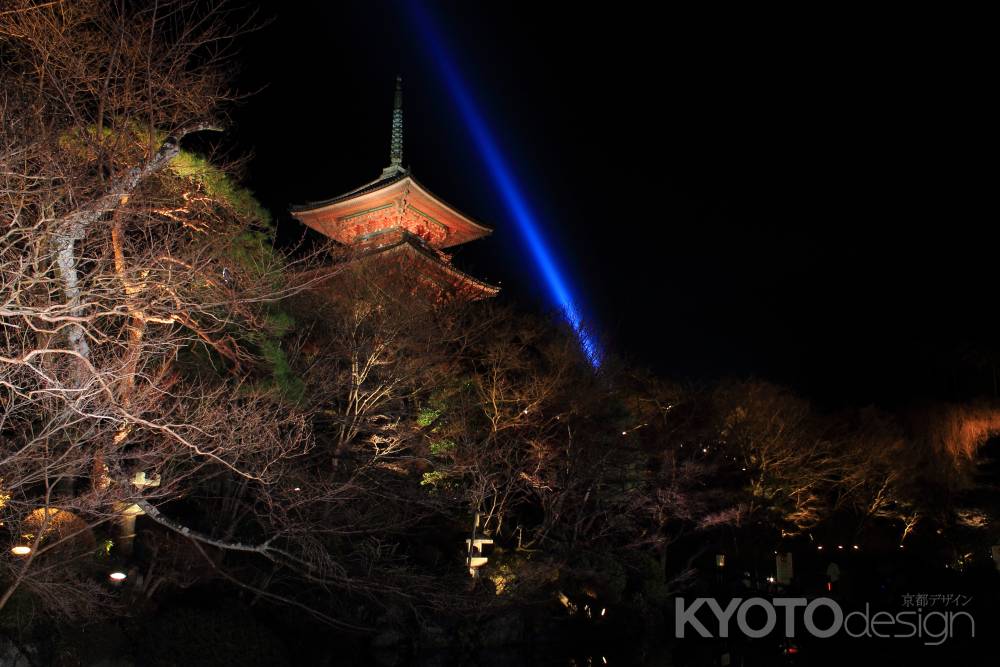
(398, 223)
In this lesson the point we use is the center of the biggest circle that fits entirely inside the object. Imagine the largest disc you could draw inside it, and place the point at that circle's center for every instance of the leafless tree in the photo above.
(136, 283)
(787, 459)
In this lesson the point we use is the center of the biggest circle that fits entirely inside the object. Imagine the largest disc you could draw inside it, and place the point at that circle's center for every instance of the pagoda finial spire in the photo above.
(396, 146)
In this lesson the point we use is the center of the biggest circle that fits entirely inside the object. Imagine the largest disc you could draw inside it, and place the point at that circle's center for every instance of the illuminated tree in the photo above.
(138, 360)
(785, 458)
(576, 474)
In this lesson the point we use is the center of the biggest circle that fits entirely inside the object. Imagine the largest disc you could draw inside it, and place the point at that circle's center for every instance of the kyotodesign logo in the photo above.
(933, 627)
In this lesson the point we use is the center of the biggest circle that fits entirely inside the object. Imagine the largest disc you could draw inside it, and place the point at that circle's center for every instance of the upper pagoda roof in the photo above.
(377, 184)
(397, 201)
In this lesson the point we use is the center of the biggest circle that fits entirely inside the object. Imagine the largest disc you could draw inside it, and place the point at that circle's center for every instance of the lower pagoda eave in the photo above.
(407, 264)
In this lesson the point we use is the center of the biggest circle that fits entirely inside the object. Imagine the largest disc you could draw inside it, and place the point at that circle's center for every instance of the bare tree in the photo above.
(788, 461)
(136, 285)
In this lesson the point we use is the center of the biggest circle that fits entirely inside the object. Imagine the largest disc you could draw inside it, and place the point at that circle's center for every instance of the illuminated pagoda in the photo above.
(398, 226)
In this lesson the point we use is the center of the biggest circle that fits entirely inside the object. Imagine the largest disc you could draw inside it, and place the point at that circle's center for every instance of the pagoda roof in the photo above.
(396, 200)
(434, 266)
(377, 184)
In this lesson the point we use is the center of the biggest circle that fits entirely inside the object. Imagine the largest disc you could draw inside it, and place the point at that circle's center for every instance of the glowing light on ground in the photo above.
(21, 550)
(503, 178)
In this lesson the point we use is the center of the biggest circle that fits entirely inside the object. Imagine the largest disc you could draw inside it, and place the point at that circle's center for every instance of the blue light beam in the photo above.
(504, 180)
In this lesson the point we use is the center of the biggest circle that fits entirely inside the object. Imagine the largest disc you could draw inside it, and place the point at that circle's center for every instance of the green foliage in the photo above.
(253, 251)
(427, 416)
(281, 377)
(437, 405)
(513, 572)
(105, 548)
(279, 322)
(210, 179)
(442, 447)
(284, 380)
(433, 479)
(79, 139)
(219, 186)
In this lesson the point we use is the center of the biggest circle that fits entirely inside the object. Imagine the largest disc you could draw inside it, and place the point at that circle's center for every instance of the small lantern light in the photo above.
(21, 550)
(720, 560)
(117, 576)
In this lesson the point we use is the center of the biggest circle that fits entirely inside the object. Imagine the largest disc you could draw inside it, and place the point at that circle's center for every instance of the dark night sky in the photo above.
(799, 197)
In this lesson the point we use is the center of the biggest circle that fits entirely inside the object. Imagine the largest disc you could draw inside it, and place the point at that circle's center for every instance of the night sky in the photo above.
(798, 197)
